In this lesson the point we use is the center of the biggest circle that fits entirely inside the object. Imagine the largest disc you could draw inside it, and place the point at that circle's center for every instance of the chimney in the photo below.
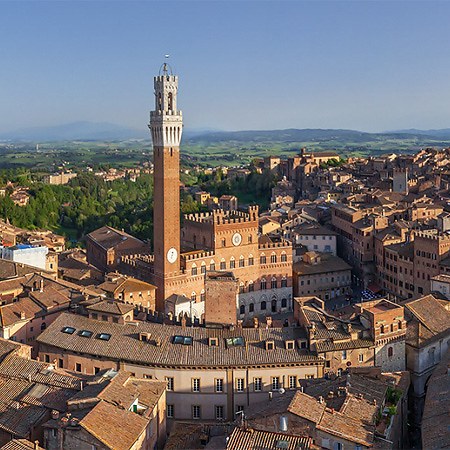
(41, 285)
(36, 445)
(321, 400)
(269, 321)
(270, 395)
(22, 315)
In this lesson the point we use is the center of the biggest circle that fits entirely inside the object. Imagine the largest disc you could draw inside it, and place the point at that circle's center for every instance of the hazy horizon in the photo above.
(243, 65)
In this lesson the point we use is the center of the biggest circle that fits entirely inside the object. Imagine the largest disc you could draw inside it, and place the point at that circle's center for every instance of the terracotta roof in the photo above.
(436, 414)
(13, 312)
(7, 347)
(108, 237)
(328, 263)
(189, 436)
(123, 427)
(111, 307)
(12, 284)
(250, 439)
(21, 444)
(341, 425)
(11, 269)
(307, 407)
(36, 371)
(313, 229)
(126, 337)
(51, 297)
(432, 315)
(329, 345)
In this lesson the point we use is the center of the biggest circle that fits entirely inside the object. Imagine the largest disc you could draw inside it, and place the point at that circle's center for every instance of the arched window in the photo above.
(203, 268)
(159, 101)
(194, 269)
(224, 242)
(274, 305)
(241, 288)
(263, 284)
(223, 264)
(400, 325)
(43, 326)
(273, 258)
(212, 265)
(382, 331)
(232, 263)
(242, 309)
(251, 286)
(251, 260)
(263, 306)
(250, 238)
(390, 352)
(194, 297)
(392, 327)
(273, 283)
(284, 302)
(170, 98)
(284, 282)
(283, 257)
(251, 307)
(262, 259)
(202, 295)
(241, 261)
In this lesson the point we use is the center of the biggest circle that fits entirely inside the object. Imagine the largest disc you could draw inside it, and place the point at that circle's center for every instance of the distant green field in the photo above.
(207, 153)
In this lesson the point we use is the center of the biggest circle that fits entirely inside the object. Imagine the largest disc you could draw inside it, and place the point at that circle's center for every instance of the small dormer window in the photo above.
(270, 345)
(213, 342)
(290, 345)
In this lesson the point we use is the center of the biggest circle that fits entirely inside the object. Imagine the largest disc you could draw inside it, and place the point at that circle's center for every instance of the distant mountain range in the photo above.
(307, 135)
(77, 131)
(441, 133)
(90, 131)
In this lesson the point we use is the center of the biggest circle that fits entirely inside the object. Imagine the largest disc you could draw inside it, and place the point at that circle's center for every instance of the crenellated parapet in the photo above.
(197, 255)
(273, 245)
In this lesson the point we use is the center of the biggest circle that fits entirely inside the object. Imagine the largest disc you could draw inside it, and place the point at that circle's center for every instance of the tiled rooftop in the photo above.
(124, 344)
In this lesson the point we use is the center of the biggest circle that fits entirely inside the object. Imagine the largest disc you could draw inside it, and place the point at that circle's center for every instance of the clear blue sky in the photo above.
(242, 64)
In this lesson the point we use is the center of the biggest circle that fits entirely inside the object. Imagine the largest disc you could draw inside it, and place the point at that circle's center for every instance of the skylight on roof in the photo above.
(68, 330)
(104, 336)
(184, 340)
(235, 341)
(86, 333)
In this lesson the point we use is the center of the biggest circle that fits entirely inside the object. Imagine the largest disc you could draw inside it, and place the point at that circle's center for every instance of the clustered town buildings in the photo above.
(323, 322)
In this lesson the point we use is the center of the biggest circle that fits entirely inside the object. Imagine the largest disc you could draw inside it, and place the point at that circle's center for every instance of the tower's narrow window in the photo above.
(170, 101)
(159, 102)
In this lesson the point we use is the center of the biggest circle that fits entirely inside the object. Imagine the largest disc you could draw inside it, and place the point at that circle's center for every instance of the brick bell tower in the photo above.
(166, 125)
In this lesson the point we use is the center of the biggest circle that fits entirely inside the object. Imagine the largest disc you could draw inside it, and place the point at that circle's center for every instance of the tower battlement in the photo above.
(437, 236)
(162, 78)
(166, 113)
(270, 245)
(198, 255)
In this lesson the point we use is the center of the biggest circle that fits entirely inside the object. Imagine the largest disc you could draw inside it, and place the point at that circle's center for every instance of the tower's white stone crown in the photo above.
(166, 122)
